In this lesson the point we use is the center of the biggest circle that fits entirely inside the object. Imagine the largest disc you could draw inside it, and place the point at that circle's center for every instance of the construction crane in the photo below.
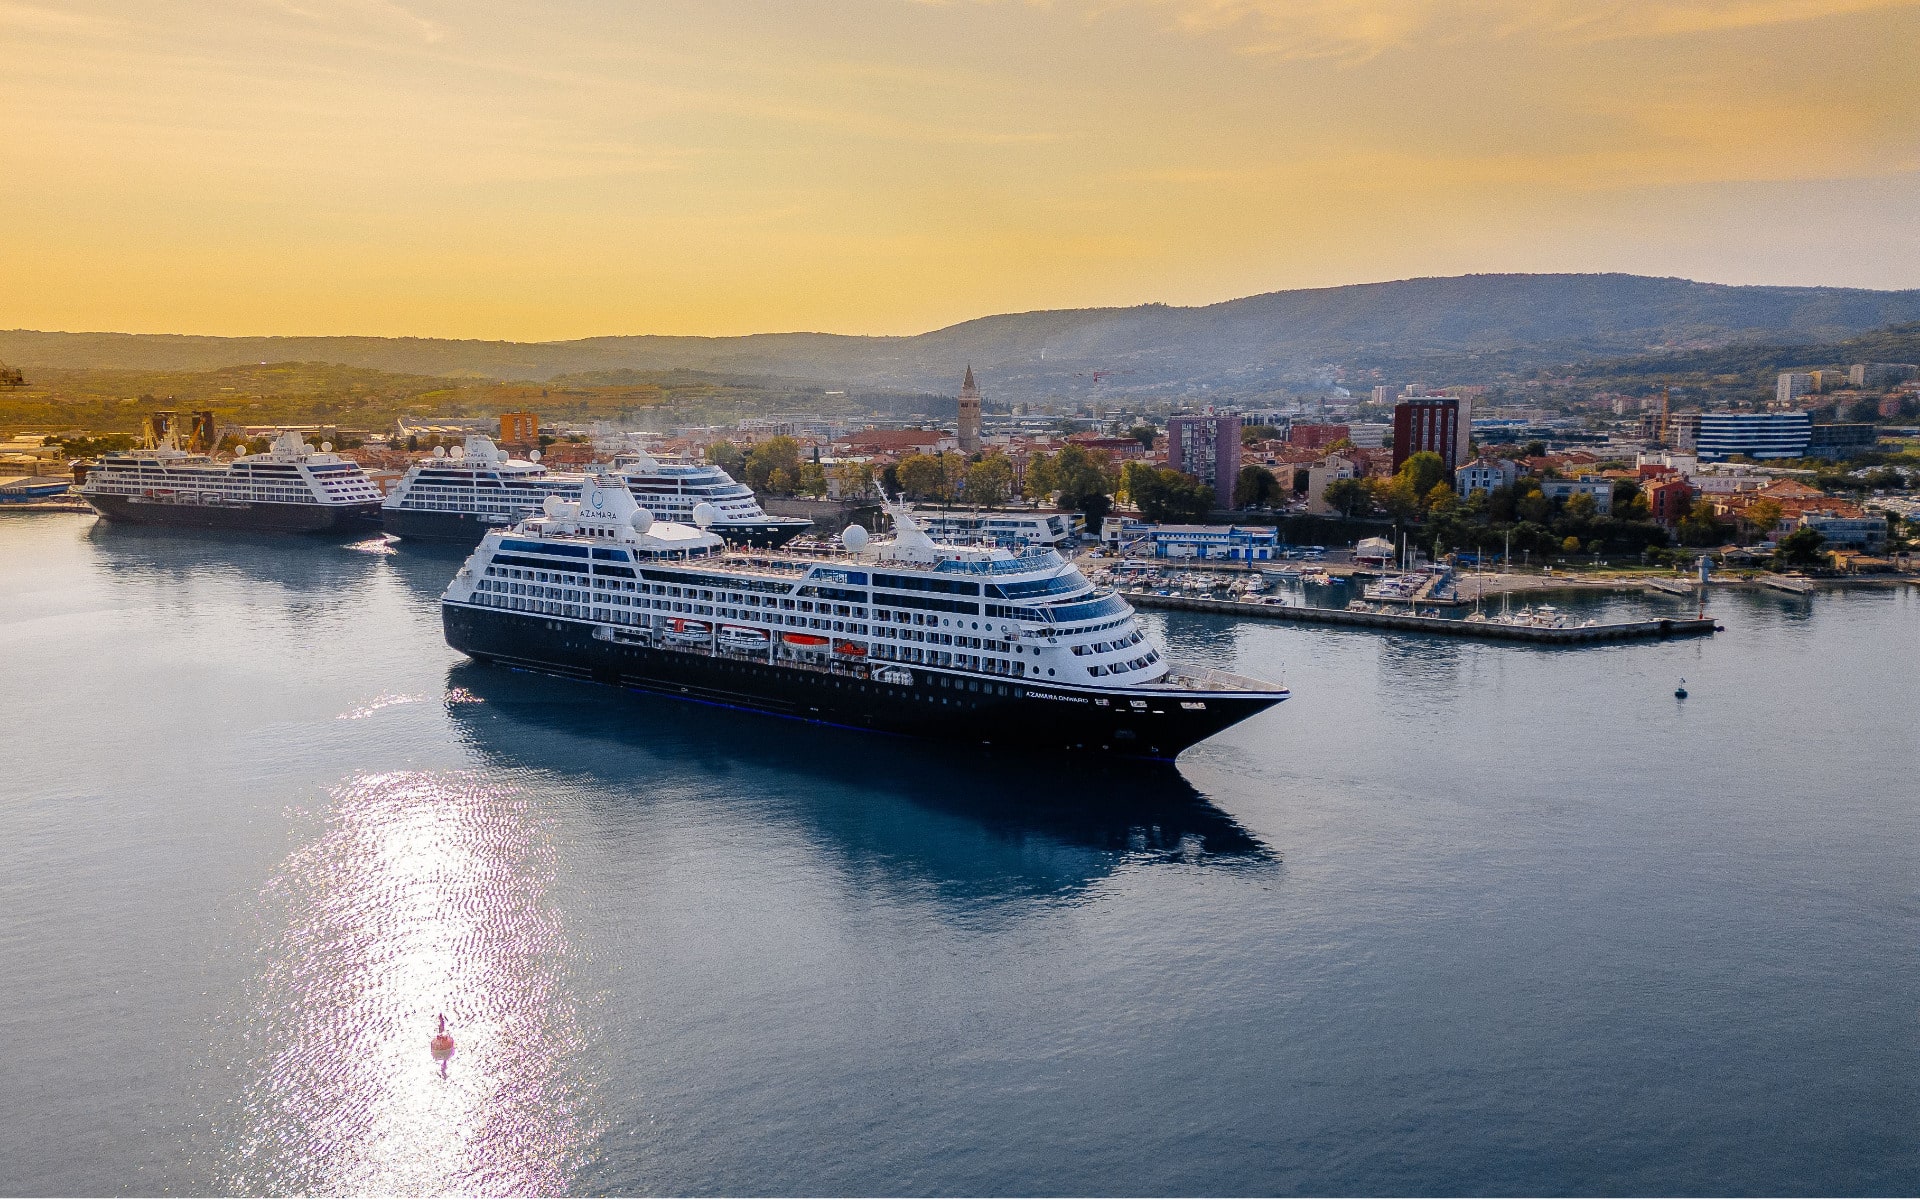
(10, 377)
(1097, 376)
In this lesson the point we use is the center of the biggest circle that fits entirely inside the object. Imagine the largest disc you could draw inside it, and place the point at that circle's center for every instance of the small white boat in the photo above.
(744, 637)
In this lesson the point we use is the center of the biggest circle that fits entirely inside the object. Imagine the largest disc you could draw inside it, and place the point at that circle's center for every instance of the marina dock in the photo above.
(1492, 631)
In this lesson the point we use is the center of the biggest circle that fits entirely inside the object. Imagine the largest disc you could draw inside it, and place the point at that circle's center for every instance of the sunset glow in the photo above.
(537, 171)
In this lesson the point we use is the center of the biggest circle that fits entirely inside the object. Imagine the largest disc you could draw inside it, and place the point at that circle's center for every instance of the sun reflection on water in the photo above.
(427, 893)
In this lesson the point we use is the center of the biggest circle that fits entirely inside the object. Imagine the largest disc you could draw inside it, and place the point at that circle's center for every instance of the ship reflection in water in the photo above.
(967, 825)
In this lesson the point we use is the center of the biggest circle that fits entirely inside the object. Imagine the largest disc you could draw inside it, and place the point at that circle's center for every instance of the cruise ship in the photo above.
(292, 487)
(674, 489)
(458, 495)
(903, 635)
(1000, 528)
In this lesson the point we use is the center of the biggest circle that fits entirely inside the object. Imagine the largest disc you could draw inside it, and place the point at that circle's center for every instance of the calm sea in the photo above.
(1456, 918)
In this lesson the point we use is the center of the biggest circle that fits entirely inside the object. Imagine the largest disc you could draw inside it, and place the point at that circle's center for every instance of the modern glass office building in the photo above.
(1756, 435)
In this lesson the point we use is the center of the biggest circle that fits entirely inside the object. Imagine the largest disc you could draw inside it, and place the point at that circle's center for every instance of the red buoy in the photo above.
(442, 1043)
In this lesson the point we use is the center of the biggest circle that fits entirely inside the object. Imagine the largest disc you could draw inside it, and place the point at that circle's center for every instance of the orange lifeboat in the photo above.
(807, 640)
(851, 649)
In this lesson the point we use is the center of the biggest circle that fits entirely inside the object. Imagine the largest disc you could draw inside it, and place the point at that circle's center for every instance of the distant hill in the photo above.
(1251, 344)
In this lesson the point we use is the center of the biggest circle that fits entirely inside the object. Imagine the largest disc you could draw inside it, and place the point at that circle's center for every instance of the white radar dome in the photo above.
(439, 451)
(533, 456)
(457, 452)
(552, 505)
(642, 520)
(855, 538)
(326, 447)
(704, 514)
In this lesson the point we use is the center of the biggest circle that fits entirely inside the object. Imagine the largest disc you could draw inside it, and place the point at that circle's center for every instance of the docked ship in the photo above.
(458, 495)
(674, 489)
(292, 487)
(904, 635)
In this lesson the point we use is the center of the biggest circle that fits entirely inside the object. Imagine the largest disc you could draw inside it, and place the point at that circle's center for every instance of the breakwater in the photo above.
(1572, 635)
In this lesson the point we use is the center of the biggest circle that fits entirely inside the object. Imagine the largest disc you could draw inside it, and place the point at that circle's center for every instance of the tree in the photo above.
(851, 479)
(1166, 496)
(1250, 434)
(1801, 548)
(1570, 545)
(1582, 507)
(1534, 450)
(921, 477)
(1255, 488)
(1396, 497)
(1440, 500)
(1144, 434)
(1300, 480)
(1423, 471)
(781, 481)
(1039, 485)
(990, 481)
(1764, 515)
(775, 454)
(1084, 483)
(813, 479)
(1350, 497)
(728, 457)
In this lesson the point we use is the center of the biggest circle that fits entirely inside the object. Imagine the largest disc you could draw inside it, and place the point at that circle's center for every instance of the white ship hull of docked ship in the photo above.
(690, 493)
(291, 488)
(902, 636)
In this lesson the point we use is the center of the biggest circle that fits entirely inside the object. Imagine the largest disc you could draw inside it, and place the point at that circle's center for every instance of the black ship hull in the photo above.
(469, 528)
(430, 526)
(1020, 714)
(273, 518)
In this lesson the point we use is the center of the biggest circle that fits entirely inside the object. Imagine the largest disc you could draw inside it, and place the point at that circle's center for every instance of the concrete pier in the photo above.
(1666, 627)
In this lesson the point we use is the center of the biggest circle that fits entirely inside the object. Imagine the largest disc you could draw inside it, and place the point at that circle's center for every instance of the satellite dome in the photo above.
(533, 456)
(642, 520)
(326, 447)
(439, 451)
(552, 506)
(855, 538)
(704, 514)
(457, 452)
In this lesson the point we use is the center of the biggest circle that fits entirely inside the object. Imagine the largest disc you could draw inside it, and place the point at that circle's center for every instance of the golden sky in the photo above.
(470, 168)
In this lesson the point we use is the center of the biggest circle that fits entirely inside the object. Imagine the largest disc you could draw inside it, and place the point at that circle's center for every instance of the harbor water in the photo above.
(1457, 918)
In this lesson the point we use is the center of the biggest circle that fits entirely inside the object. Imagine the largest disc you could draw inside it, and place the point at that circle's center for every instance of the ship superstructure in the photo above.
(460, 494)
(292, 487)
(905, 635)
(673, 489)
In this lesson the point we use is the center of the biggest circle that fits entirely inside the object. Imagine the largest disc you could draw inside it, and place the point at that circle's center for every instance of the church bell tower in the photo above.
(969, 414)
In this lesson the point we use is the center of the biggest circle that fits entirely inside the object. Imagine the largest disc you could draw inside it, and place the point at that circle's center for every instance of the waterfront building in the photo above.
(1842, 440)
(1669, 498)
(1369, 435)
(869, 443)
(1222, 543)
(1756, 435)
(1485, 474)
(1423, 423)
(969, 414)
(1598, 487)
(1206, 447)
(1324, 473)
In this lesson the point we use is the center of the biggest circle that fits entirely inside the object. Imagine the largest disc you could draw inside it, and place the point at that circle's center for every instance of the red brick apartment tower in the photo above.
(1427, 423)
